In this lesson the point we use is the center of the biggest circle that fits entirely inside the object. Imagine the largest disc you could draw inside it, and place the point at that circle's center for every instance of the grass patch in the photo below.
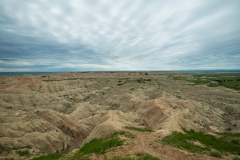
(120, 158)
(198, 81)
(139, 129)
(121, 133)
(181, 140)
(50, 156)
(227, 80)
(139, 156)
(213, 85)
(23, 153)
(3, 148)
(20, 147)
(231, 84)
(140, 80)
(216, 154)
(228, 134)
(130, 136)
(86, 98)
(143, 156)
(235, 141)
(99, 146)
(132, 89)
(178, 97)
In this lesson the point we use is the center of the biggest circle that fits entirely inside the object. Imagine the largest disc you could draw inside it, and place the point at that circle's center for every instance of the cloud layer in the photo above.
(59, 35)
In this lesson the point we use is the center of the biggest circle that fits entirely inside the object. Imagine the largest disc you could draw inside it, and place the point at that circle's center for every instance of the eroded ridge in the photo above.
(55, 113)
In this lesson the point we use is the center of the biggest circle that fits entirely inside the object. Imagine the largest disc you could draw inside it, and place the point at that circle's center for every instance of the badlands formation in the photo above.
(55, 113)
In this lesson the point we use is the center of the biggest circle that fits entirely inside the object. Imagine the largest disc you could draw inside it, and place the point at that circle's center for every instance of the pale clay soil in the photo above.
(73, 108)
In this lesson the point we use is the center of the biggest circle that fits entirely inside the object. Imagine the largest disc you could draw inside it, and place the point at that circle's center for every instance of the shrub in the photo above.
(235, 141)
(216, 154)
(236, 158)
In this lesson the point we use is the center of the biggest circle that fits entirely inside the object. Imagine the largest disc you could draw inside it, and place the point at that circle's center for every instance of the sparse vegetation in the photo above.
(86, 98)
(99, 146)
(139, 129)
(23, 153)
(140, 156)
(50, 156)
(145, 156)
(235, 141)
(236, 158)
(228, 134)
(20, 147)
(3, 148)
(129, 136)
(209, 141)
(216, 154)
(212, 80)
(120, 158)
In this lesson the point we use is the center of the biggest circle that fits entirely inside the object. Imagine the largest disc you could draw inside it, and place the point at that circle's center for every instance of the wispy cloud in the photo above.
(119, 35)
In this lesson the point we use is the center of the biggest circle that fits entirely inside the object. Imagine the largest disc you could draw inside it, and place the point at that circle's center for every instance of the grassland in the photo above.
(225, 143)
(230, 80)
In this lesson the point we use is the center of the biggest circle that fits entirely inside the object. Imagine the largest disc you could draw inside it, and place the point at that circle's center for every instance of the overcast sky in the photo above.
(86, 35)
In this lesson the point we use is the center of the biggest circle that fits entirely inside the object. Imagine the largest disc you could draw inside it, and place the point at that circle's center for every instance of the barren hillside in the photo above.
(56, 113)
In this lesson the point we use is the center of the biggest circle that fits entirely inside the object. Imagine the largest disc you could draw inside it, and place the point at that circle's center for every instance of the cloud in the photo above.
(119, 35)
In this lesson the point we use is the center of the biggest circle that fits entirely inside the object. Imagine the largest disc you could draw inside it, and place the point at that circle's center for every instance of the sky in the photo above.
(119, 35)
